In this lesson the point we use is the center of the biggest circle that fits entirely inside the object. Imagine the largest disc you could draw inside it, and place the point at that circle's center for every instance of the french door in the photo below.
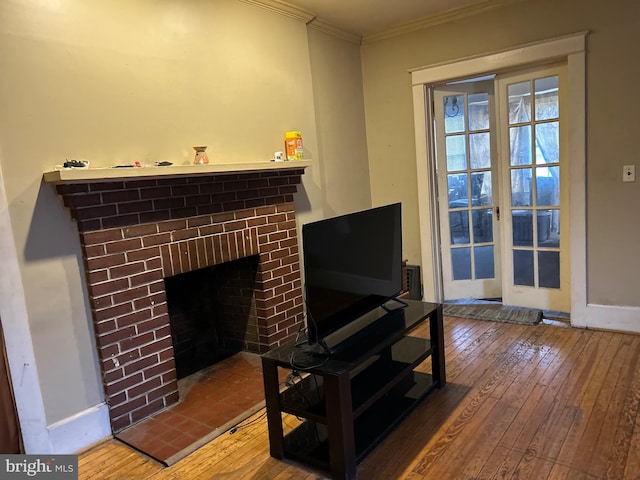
(533, 148)
(468, 190)
(502, 189)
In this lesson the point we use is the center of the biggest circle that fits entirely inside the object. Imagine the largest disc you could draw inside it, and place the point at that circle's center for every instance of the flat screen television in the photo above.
(352, 265)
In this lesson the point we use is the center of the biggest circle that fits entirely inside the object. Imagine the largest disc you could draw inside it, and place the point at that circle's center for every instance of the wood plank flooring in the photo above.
(526, 402)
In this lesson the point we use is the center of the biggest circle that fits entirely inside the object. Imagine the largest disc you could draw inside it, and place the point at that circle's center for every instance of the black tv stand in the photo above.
(350, 400)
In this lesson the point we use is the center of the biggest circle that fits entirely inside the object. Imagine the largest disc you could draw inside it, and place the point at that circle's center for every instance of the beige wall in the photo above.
(342, 141)
(115, 81)
(613, 235)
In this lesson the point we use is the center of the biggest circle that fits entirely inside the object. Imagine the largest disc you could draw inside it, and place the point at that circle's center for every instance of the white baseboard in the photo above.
(75, 433)
(609, 317)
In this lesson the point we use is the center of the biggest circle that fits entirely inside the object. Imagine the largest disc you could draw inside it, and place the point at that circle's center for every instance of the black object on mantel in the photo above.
(74, 164)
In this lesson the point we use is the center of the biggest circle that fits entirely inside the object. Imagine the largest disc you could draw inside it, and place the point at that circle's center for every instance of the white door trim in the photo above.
(544, 51)
(570, 49)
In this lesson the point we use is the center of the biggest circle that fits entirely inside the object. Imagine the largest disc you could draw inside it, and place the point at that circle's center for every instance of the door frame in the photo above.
(570, 49)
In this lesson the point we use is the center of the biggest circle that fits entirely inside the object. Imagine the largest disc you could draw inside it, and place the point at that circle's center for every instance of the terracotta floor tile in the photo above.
(202, 416)
(180, 442)
(182, 422)
(165, 451)
(136, 435)
(188, 424)
(200, 430)
(155, 445)
(167, 417)
(216, 421)
(169, 434)
(153, 426)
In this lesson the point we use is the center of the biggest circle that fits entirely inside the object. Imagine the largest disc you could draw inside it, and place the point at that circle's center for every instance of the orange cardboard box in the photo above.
(293, 145)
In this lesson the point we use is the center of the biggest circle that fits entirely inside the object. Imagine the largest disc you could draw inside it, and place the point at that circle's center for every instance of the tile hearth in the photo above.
(213, 401)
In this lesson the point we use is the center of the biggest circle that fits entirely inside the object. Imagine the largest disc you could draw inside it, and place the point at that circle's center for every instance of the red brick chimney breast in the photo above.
(134, 233)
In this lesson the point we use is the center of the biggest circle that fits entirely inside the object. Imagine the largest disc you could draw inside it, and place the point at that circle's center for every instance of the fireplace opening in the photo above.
(212, 313)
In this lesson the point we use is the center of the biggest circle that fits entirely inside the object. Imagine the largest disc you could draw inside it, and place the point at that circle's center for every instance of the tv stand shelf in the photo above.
(350, 400)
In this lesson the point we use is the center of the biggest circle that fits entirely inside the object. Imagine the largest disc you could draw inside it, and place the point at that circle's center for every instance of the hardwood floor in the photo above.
(545, 401)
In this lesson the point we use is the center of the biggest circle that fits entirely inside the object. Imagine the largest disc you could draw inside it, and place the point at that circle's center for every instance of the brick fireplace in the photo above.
(135, 232)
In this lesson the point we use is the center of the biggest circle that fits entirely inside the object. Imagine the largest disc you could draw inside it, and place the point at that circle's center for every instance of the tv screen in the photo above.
(352, 265)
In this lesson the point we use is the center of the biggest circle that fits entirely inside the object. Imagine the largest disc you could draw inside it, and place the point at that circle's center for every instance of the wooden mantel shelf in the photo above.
(88, 175)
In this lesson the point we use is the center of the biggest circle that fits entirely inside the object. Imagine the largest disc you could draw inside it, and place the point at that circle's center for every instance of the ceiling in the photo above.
(366, 17)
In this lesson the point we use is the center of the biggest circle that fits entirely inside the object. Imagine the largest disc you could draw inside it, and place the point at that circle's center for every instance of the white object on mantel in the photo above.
(84, 175)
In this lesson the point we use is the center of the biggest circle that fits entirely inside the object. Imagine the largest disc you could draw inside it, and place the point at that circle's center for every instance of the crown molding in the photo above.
(307, 17)
(284, 8)
(313, 21)
(445, 17)
(321, 25)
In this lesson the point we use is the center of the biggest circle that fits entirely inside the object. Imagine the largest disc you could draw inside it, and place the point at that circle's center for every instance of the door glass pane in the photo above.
(459, 227)
(461, 259)
(544, 225)
(547, 143)
(458, 193)
(483, 258)
(480, 150)
(549, 228)
(519, 97)
(522, 223)
(521, 187)
(549, 269)
(520, 145)
(456, 153)
(523, 267)
(454, 114)
(548, 186)
(546, 93)
(478, 111)
(482, 225)
(481, 189)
